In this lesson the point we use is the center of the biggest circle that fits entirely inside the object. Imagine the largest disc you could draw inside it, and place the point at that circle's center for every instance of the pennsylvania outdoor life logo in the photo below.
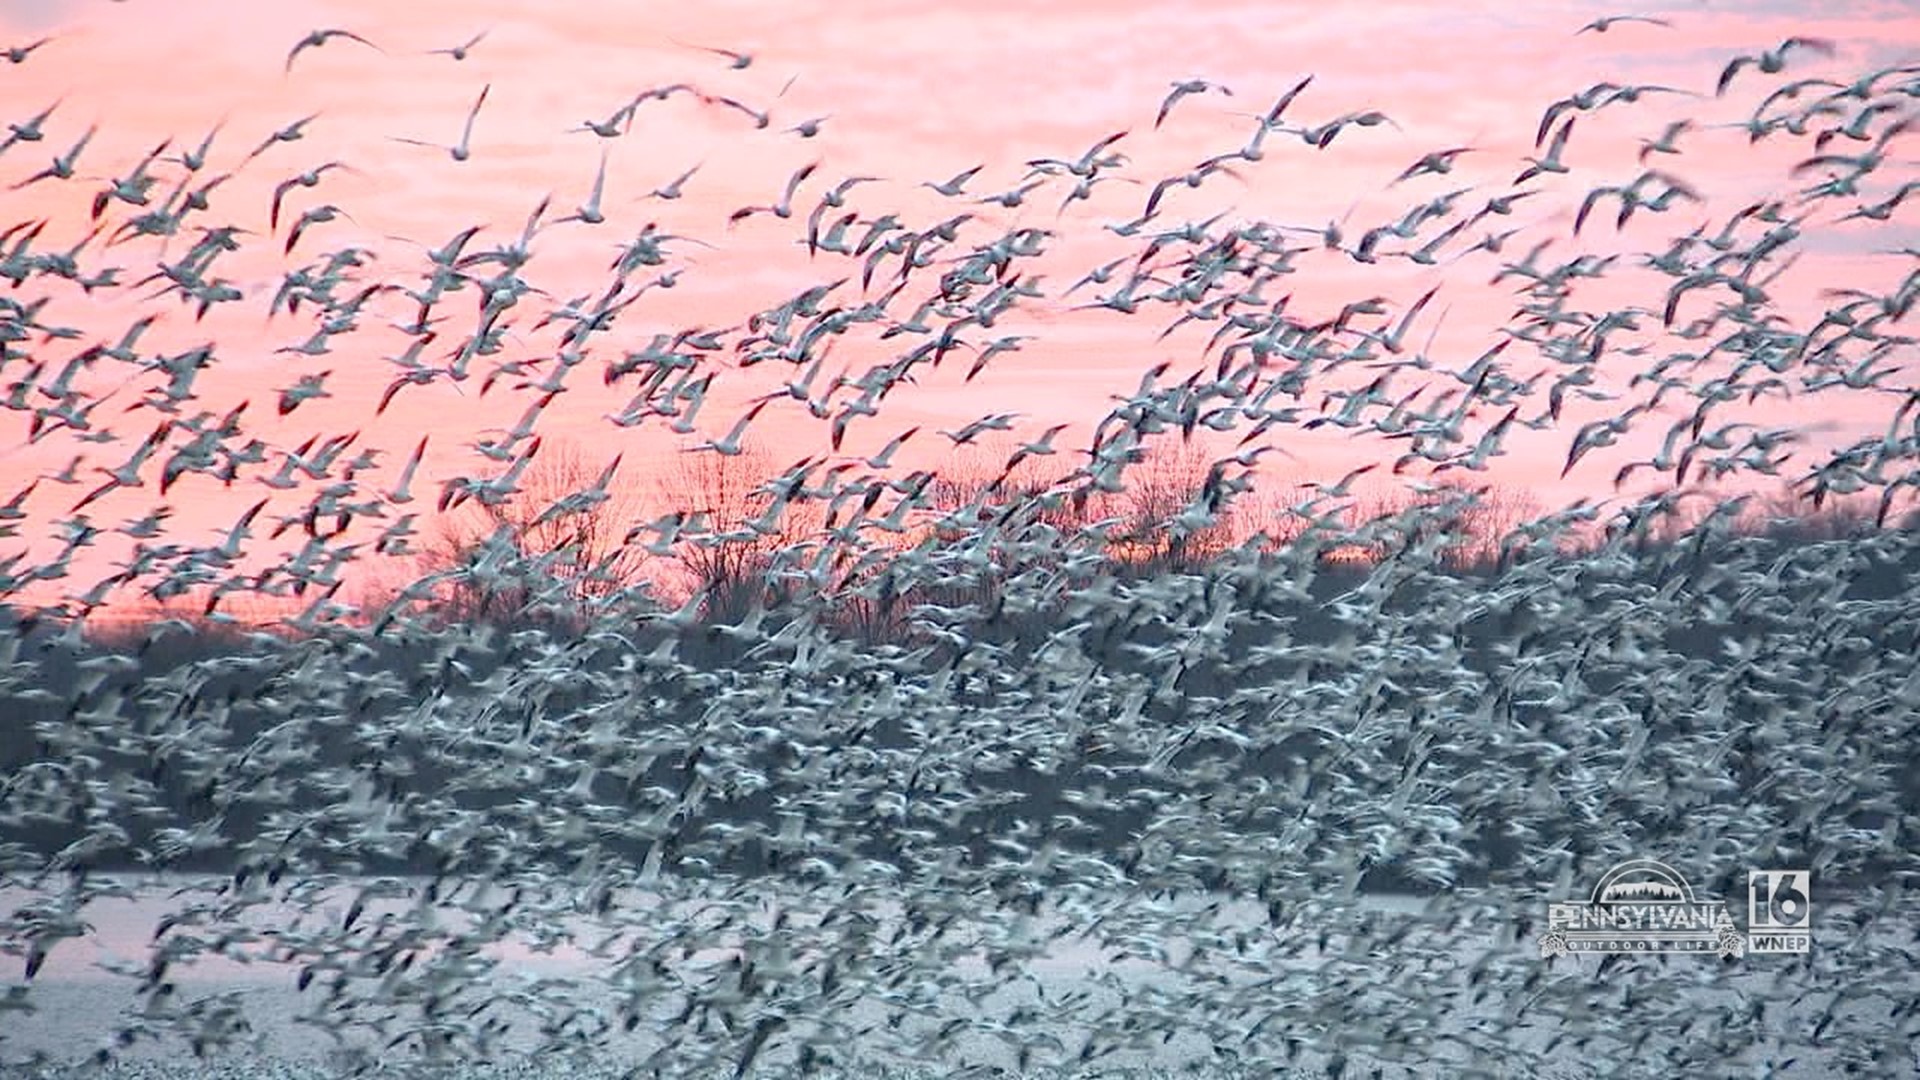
(1644, 905)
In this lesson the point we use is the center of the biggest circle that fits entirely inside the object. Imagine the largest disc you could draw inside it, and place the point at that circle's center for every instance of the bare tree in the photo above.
(734, 526)
(1157, 529)
(1793, 514)
(869, 596)
(1016, 500)
(997, 483)
(1478, 519)
(1272, 511)
(990, 511)
(564, 526)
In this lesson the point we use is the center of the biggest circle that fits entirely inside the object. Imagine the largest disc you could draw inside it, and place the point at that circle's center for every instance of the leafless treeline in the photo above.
(717, 536)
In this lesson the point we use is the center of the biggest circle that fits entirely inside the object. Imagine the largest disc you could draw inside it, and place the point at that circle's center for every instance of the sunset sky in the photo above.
(910, 93)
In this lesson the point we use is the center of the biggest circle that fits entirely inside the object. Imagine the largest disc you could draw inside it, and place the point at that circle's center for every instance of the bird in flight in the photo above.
(737, 61)
(1773, 61)
(460, 51)
(62, 167)
(196, 159)
(1602, 24)
(673, 190)
(17, 54)
(1182, 89)
(783, 208)
(759, 117)
(316, 216)
(317, 38)
(807, 129)
(954, 186)
(310, 178)
(293, 132)
(589, 212)
(1436, 163)
(1551, 163)
(463, 149)
(729, 445)
(29, 130)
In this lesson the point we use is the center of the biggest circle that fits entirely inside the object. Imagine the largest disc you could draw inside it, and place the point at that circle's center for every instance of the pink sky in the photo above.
(911, 93)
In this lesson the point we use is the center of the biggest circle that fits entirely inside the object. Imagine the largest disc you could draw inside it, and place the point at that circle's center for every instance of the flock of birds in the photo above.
(931, 810)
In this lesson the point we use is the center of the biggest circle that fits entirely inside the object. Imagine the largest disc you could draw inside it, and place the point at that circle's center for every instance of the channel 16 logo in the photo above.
(1779, 911)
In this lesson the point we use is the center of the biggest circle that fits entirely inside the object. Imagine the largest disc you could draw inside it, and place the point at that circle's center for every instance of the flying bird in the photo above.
(807, 129)
(1182, 89)
(673, 190)
(63, 165)
(17, 54)
(783, 208)
(1666, 143)
(402, 492)
(1551, 163)
(1436, 163)
(310, 178)
(737, 61)
(316, 216)
(954, 186)
(317, 38)
(729, 445)
(30, 129)
(589, 211)
(1605, 22)
(460, 51)
(463, 149)
(1772, 61)
(196, 159)
(293, 132)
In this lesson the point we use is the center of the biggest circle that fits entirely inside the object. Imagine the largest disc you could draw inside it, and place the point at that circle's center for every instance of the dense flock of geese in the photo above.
(930, 814)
